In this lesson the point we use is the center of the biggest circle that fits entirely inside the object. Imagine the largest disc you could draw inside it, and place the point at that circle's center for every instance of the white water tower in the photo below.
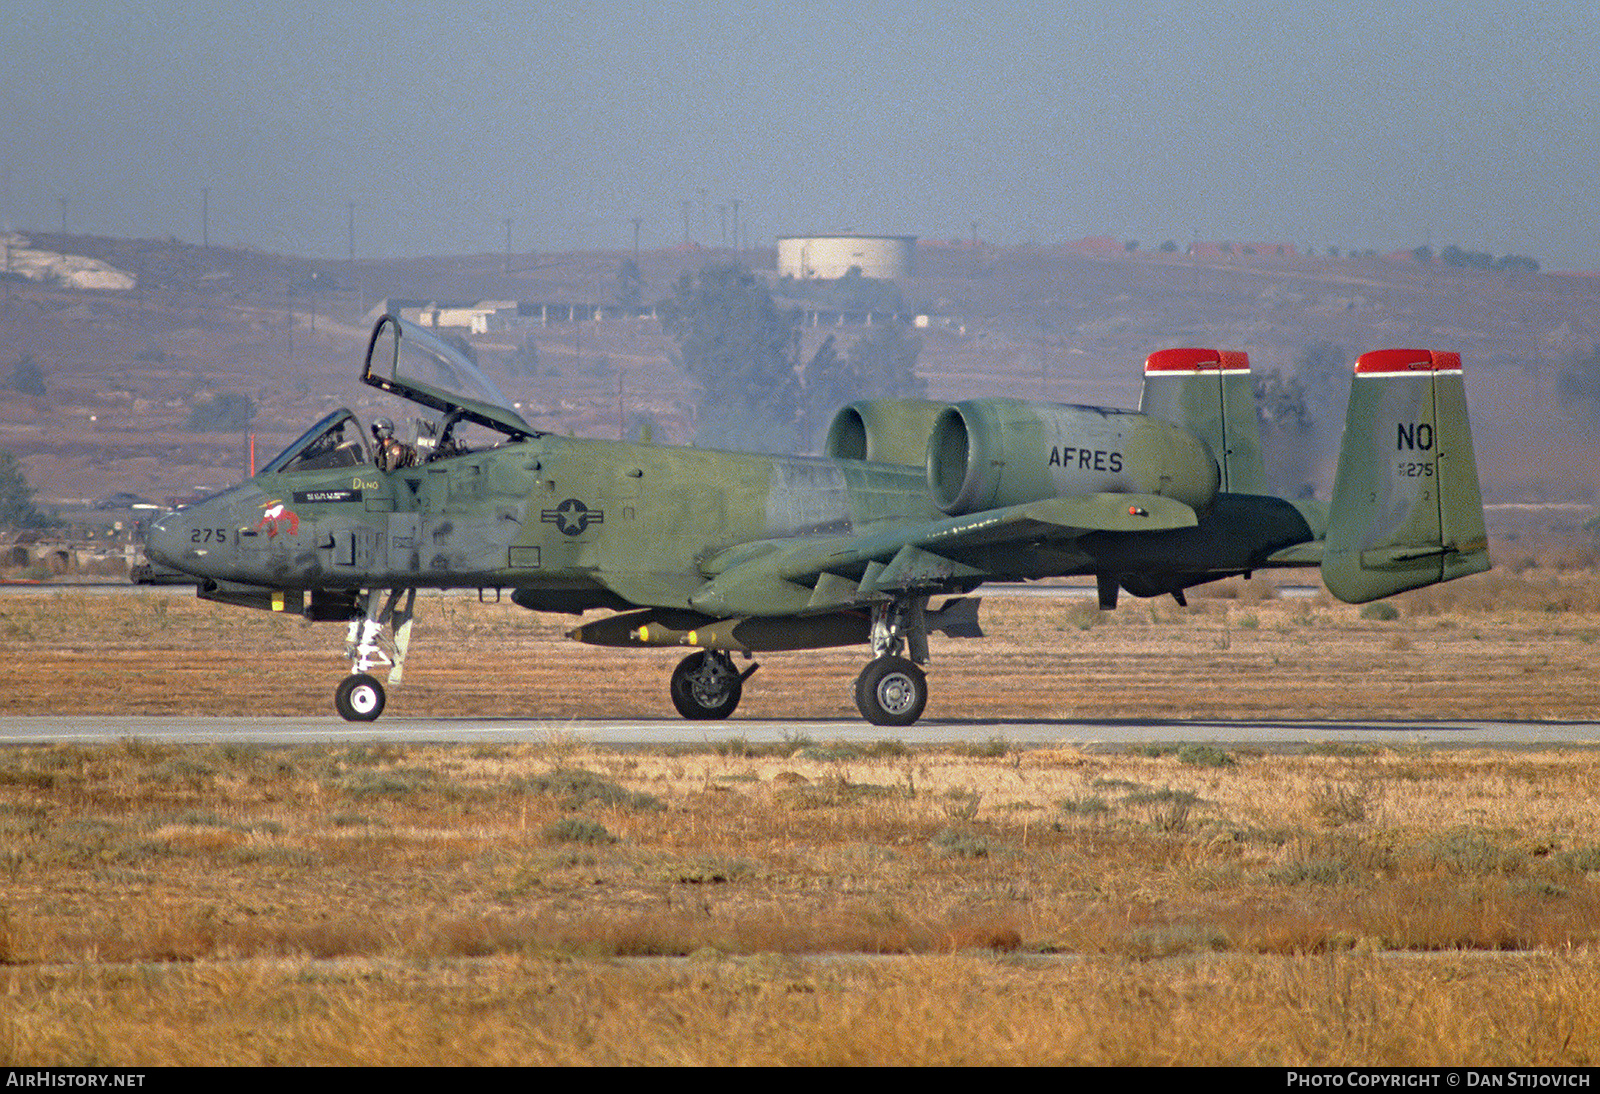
(819, 258)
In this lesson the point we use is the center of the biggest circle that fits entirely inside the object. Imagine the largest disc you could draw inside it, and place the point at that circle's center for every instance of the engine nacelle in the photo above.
(990, 453)
(884, 430)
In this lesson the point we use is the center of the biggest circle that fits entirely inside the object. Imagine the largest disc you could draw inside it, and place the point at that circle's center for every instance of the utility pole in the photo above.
(350, 229)
(636, 240)
(507, 223)
(62, 250)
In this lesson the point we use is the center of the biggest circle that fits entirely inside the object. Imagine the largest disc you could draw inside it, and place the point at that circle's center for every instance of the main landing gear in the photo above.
(360, 697)
(706, 686)
(892, 690)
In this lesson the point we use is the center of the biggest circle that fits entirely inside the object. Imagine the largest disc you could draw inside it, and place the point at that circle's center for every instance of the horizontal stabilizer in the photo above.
(1299, 554)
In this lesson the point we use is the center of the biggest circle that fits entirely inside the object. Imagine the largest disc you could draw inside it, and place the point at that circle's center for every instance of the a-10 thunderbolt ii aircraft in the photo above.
(730, 553)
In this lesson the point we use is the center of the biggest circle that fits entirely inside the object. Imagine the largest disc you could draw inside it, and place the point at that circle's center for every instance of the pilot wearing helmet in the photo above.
(393, 454)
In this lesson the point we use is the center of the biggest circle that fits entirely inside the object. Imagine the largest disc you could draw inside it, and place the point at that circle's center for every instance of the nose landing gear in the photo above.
(360, 697)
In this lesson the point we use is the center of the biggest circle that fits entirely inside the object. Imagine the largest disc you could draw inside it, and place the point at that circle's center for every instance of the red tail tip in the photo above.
(1196, 360)
(1407, 360)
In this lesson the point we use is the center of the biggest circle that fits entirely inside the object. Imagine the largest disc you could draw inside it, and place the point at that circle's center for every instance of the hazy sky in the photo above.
(1348, 125)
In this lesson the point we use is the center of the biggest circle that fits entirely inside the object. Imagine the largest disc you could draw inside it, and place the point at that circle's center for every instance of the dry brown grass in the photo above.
(1499, 645)
(378, 903)
(772, 1010)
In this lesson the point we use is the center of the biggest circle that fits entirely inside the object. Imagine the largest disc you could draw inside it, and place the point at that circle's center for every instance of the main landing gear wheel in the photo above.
(706, 686)
(359, 699)
(891, 691)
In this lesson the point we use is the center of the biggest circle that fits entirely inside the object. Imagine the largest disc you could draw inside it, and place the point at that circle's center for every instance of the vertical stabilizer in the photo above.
(1208, 392)
(1406, 508)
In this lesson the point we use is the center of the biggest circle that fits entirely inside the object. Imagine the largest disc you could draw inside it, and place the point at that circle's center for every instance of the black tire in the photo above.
(700, 695)
(360, 698)
(891, 691)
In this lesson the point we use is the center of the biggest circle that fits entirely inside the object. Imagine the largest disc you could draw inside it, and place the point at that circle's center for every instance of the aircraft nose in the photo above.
(166, 541)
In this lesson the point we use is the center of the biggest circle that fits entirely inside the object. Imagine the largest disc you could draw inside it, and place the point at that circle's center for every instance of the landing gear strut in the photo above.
(706, 686)
(892, 690)
(360, 697)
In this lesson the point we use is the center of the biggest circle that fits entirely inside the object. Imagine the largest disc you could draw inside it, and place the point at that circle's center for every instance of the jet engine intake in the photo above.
(883, 430)
(990, 453)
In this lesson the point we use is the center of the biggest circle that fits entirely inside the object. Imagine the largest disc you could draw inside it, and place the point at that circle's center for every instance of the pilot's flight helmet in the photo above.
(383, 429)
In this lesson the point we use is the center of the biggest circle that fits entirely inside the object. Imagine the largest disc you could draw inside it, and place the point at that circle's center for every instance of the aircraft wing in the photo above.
(822, 573)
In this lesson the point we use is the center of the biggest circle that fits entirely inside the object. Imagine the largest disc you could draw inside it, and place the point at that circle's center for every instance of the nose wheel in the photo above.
(360, 698)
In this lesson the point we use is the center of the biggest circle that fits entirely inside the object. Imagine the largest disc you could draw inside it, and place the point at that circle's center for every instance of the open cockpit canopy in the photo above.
(409, 361)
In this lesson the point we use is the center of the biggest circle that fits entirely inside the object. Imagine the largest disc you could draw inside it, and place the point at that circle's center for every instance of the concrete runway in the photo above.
(665, 732)
(668, 732)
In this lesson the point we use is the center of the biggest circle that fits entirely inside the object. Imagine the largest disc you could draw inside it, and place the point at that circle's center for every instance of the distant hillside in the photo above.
(123, 371)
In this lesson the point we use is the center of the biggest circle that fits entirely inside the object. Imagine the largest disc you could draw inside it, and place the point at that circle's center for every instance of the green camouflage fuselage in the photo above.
(575, 524)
